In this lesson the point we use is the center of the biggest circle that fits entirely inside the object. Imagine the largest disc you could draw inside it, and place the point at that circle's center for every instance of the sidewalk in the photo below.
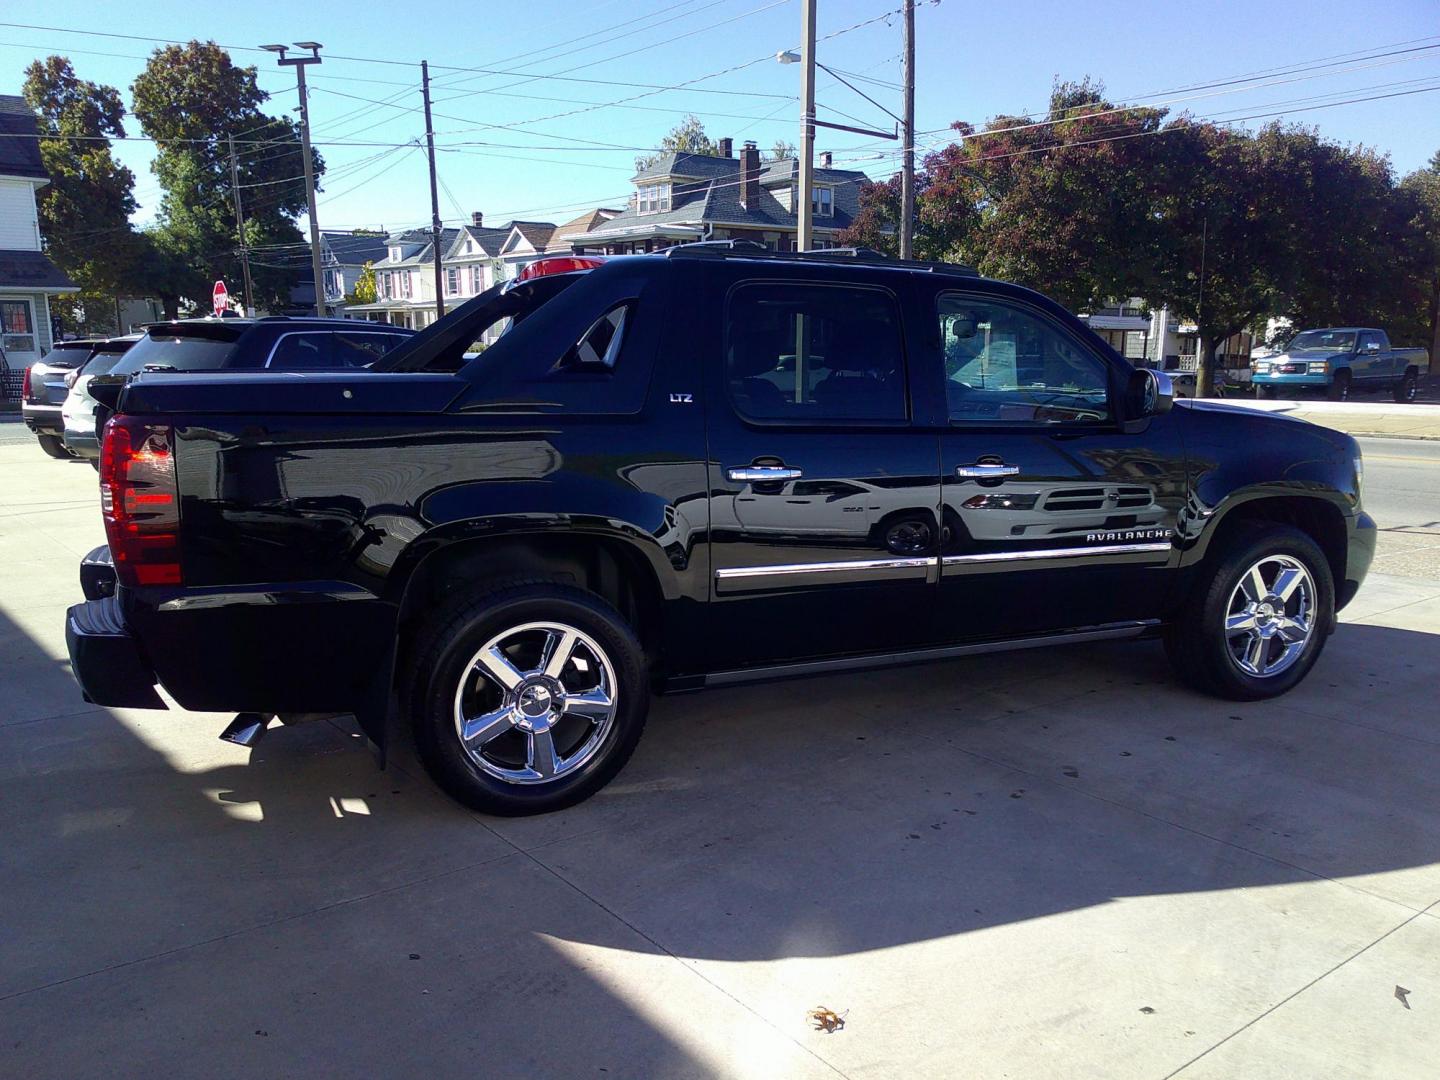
(1374, 418)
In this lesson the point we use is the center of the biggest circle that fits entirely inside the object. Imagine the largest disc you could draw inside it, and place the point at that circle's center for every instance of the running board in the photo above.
(1111, 632)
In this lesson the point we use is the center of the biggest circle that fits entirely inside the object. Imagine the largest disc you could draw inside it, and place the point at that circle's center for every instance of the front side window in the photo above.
(814, 353)
(1007, 364)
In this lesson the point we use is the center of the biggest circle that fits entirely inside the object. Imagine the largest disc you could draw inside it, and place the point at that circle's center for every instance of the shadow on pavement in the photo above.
(815, 819)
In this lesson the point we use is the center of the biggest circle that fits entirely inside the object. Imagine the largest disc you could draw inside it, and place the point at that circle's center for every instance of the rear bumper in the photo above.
(105, 658)
(81, 443)
(43, 419)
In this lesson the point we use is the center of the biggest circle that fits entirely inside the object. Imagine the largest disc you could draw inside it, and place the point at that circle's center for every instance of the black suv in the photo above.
(687, 470)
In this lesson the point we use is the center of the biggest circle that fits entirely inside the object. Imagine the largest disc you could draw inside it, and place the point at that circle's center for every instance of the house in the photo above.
(1155, 338)
(343, 255)
(27, 276)
(473, 258)
(683, 197)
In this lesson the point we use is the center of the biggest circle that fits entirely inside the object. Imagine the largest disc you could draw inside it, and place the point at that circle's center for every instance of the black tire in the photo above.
(443, 657)
(1196, 641)
(1339, 388)
(54, 446)
(1407, 387)
(95, 464)
(1269, 392)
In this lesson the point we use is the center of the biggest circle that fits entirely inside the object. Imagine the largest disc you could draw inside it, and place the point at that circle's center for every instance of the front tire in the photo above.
(1269, 392)
(1258, 616)
(527, 699)
(1339, 389)
(54, 446)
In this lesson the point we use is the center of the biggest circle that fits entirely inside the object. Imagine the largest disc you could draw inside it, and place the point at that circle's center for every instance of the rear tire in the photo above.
(1246, 639)
(1339, 389)
(54, 446)
(530, 730)
(1408, 386)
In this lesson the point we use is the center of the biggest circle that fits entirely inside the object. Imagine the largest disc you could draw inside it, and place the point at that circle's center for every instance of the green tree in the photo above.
(687, 137)
(189, 99)
(782, 151)
(365, 291)
(85, 209)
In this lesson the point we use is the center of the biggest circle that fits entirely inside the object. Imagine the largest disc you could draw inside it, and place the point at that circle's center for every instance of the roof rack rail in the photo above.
(749, 249)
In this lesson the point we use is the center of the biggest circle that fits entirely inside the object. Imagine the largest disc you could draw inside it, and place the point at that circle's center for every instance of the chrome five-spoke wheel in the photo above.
(535, 703)
(1271, 616)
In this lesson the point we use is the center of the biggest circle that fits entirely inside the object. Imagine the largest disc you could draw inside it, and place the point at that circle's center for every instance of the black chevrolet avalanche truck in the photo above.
(683, 470)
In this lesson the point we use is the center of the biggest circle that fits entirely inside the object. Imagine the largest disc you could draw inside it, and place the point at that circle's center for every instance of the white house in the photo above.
(27, 276)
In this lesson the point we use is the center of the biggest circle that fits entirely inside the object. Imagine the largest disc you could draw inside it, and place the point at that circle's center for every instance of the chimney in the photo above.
(727, 147)
(825, 159)
(477, 219)
(750, 176)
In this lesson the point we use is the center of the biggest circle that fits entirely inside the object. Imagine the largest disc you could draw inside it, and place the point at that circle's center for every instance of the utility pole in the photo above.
(435, 231)
(805, 220)
(240, 228)
(300, 63)
(907, 174)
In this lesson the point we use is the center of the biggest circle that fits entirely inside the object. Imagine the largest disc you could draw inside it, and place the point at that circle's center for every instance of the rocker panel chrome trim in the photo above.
(1060, 553)
(731, 573)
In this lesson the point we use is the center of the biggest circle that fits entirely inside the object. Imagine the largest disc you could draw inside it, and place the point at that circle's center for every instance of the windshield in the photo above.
(1335, 341)
(103, 361)
(176, 352)
(68, 354)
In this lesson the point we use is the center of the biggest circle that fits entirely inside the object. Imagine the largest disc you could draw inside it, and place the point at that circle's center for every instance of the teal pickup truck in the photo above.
(1341, 360)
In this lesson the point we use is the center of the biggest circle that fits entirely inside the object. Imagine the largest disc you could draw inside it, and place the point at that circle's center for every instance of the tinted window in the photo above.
(103, 363)
(67, 355)
(361, 350)
(600, 347)
(177, 352)
(1007, 364)
(814, 353)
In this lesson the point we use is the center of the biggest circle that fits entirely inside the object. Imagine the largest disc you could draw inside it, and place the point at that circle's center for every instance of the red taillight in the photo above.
(25, 386)
(561, 264)
(140, 501)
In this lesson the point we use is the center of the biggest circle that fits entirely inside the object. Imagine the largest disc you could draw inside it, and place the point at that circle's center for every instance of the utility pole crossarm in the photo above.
(300, 63)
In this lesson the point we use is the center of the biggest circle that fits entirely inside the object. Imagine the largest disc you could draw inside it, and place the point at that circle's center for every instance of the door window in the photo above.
(1006, 364)
(814, 353)
(300, 352)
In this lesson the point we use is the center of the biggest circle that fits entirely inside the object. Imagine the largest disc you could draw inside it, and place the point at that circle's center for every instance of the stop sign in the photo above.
(221, 296)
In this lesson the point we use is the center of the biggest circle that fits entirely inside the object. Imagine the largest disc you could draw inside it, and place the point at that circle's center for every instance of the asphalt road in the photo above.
(1402, 494)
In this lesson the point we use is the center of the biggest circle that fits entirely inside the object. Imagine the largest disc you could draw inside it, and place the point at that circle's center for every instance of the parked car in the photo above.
(1342, 361)
(79, 412)
(43, 390)
(521, 550)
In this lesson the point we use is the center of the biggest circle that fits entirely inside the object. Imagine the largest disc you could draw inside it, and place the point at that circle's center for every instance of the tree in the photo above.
(687, 137)
(85, 209)
(782, 151)
(365, 291)
(189, 99)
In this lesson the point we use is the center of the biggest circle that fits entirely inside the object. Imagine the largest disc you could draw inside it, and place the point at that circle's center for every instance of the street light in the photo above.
(299, 63)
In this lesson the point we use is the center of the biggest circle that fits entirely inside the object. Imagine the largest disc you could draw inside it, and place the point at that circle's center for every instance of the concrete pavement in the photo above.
(1370, 416)
(1056, 865)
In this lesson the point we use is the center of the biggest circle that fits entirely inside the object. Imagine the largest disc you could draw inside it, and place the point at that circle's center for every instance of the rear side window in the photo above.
(176, 352)
(103, 363)
(814, 353)
(329, 350)
(600, 346)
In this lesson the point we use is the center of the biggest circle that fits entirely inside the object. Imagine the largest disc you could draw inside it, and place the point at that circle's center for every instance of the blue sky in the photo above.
(974, 61)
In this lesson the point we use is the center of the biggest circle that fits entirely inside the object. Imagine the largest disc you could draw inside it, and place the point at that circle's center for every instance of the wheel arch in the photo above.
(1319, 518)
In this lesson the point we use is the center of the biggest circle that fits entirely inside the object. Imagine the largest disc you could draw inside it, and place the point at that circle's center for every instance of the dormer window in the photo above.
(394, 254)
(822, 201)
(653, 198)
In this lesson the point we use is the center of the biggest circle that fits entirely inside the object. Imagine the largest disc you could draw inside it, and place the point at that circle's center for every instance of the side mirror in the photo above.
(1148, 393)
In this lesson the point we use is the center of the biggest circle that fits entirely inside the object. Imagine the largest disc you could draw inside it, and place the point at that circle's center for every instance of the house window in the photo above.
(405, 285)
(822, 201)
(394, 254)
(452, 281)
(17, 326)
(653, 198)
(476, 280)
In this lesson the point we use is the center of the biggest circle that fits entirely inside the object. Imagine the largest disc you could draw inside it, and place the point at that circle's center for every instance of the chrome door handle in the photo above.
(986, 471)
(762, 474)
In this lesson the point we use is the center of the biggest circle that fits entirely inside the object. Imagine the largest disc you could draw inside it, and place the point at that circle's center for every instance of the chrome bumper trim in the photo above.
(1060, 553)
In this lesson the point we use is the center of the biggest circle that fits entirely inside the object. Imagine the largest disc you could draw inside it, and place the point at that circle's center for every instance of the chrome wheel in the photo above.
(535, 703)
(1271, 616)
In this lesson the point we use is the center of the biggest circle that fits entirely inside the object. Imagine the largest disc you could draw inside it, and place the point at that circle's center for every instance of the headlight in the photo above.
(1318, 367)
(1359, 470)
